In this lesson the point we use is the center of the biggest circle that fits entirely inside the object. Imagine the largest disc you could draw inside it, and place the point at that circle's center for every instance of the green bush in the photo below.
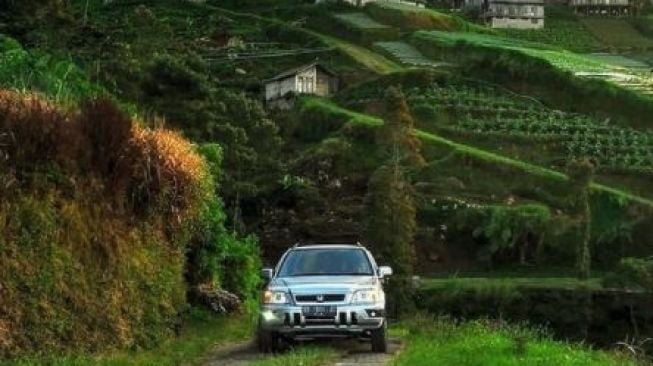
(632, 274)
(59, 78)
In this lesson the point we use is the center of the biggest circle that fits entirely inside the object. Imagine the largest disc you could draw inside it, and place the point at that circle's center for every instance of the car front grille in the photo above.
(319, 298)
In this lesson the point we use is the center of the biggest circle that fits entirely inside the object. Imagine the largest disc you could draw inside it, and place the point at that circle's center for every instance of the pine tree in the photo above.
(391, 211)
(580, 177)
(397, 136)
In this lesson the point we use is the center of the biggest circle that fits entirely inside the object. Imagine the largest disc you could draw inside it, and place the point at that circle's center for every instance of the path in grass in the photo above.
(362, 55)
(333, 353)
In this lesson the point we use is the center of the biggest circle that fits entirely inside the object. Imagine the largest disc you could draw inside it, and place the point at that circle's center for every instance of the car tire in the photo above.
(267, 341)
(380, 339)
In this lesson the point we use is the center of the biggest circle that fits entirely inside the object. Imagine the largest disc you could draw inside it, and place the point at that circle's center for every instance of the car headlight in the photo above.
(275, 297)
(368, 297)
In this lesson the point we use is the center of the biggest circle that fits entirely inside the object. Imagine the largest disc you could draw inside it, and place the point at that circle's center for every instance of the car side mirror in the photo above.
(385, 271)
(267, 273)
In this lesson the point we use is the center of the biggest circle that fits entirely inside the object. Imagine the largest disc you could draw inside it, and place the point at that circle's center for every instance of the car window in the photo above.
(326, 262)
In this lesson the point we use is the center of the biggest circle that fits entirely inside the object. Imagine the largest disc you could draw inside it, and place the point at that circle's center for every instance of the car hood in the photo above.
(313, 284)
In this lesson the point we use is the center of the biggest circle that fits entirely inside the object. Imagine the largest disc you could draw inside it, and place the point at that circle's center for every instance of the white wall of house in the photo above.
(278, 88)
(518, 23)
(521, 14)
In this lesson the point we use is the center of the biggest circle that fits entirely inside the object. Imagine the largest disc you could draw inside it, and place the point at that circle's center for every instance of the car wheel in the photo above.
(380, 339)
(267, 341)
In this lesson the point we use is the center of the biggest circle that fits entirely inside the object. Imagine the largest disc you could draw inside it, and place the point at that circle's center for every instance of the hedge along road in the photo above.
(344, 352)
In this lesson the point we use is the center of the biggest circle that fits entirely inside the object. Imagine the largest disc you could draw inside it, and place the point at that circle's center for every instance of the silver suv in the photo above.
(319, 291)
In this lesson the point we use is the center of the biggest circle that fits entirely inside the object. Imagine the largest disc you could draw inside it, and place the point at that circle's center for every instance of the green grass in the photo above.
(515, 282)
(201, 333)
(414, 18)
(561, 29)
(302, 356)
(405, 53)
(479, 154)
(616, 33)
(364, 56)
(360, 20)
(558, 57)
(442, 342)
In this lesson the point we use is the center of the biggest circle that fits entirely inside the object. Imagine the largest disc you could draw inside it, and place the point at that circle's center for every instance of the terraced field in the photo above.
(616, 33)
(620, 70)
(561, 29)
(407, 54)
(486, 111)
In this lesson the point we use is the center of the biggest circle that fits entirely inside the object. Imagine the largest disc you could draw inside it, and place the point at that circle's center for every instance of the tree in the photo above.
(510, 227)
(391, 221)
(397, 136)
(581, 173)
(182, 92)
(391, 211)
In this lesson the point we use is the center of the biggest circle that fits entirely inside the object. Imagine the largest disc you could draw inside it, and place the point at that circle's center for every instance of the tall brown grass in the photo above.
(94, 213)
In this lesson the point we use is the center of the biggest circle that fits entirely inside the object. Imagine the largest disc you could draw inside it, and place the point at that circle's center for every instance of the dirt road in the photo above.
(354, 354)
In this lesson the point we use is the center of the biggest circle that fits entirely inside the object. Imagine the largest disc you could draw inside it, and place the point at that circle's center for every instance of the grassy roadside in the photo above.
(480, 154)
(201, 333)
(444, 342)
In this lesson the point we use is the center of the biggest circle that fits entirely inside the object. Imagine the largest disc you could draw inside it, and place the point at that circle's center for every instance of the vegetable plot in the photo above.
(488, 112)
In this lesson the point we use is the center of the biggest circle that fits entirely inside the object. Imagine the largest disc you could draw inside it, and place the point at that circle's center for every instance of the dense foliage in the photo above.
(94, 220)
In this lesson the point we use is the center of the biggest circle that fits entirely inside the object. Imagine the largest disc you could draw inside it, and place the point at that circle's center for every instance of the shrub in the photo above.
(632, 274)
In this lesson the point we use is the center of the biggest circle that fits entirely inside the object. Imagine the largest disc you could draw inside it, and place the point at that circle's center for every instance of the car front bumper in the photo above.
(350, 320)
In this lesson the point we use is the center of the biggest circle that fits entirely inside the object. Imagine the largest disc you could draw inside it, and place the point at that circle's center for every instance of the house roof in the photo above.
(299, 69)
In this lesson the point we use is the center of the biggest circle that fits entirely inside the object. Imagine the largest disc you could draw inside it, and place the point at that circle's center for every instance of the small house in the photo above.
(521, 14)
(313, 78)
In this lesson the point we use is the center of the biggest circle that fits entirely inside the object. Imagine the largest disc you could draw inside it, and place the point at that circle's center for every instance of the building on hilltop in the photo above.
(313, 79)
(522, 14)
(603, 7)
(417, 3)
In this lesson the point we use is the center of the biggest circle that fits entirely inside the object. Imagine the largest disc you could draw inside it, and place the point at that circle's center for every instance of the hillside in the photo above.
(142, 174)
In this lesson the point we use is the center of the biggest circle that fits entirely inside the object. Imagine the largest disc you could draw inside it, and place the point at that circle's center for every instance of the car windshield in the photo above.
(326, 262)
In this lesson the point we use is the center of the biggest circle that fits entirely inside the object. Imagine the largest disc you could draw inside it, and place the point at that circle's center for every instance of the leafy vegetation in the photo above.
(488, 111)
(631, 273)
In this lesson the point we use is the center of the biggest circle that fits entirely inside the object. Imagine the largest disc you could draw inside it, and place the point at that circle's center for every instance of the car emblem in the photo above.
(320, 298)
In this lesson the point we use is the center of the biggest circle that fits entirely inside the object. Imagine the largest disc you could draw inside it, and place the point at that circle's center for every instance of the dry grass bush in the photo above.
(78, 271)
